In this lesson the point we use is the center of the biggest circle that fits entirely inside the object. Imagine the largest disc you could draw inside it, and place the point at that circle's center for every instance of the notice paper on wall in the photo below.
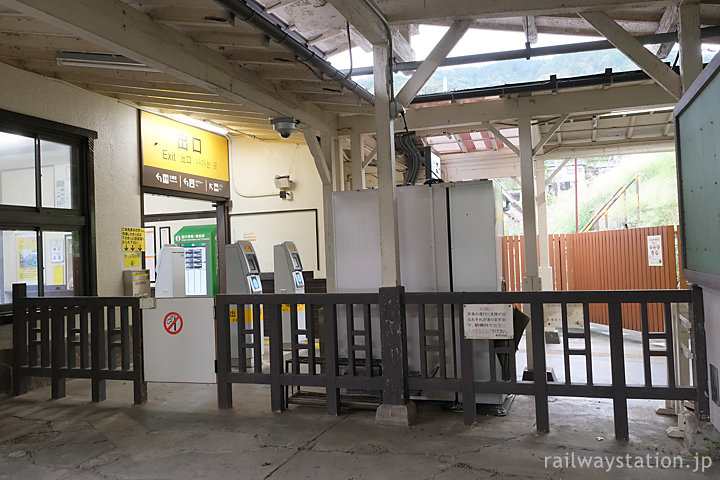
(57, 252)
(58, 275)
(488, 321)
(654, 246)
(132, 259)
(27, 266)
(133, 239)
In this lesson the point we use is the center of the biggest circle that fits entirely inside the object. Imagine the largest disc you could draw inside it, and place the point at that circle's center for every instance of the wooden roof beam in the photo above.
(113, 25)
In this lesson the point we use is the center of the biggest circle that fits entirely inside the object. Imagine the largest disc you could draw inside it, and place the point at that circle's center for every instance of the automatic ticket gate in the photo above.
(289, 279)
(178, 338)
(242, 274)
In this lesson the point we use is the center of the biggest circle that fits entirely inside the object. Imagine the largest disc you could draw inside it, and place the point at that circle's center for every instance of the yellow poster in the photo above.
(27, 259)
(58, 275)
(132, 259)
(133, 239)
(177, 147)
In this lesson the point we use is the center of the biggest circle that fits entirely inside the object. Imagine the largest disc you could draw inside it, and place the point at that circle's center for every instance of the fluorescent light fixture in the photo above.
(211, 127)
(100, 60)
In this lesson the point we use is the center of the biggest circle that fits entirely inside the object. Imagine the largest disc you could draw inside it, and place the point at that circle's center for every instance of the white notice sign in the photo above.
(655, 250)
(488, 321)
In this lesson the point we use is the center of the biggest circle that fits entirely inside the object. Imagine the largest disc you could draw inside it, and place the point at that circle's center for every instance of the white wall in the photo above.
(117, 183)
(256, 205)
(155, 204)
(253, 166)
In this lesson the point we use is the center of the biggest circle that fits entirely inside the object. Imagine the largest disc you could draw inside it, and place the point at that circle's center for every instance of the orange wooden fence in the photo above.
(606, 260)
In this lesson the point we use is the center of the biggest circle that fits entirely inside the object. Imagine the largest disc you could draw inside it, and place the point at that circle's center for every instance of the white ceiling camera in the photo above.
(285, 126)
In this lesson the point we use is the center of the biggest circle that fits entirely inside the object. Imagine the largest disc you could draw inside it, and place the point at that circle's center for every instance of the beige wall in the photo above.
(253, 166)
(256, 205)
(117, 184)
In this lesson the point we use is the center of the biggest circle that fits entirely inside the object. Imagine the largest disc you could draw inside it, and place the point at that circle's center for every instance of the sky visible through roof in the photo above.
(478, 41)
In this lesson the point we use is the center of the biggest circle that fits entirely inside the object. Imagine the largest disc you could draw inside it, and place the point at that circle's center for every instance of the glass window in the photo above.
(19, 262)
(56, 163)
(60, 263)
(17, 170)
(41, 163)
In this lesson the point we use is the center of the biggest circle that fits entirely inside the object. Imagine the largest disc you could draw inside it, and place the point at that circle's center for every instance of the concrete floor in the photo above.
(180, 434)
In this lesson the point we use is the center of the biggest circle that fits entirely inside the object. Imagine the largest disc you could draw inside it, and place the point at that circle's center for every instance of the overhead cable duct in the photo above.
(554, 85)
(253, 14)
(404, 143)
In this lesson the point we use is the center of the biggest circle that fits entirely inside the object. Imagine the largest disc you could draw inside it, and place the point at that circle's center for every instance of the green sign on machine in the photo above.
(201, 261)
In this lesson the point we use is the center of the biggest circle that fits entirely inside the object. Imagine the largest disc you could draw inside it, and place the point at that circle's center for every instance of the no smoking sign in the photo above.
(173, 323)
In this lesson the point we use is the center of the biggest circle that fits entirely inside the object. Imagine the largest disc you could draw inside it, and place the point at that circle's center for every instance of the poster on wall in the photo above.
(27, 259)
(182, 158)
(133, 239)
(132, 259)
(57, 251)
(654, 246)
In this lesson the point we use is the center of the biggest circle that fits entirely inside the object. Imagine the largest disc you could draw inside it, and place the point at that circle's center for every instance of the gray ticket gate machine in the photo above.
(170, 272)
(242, 275)
(289, 279)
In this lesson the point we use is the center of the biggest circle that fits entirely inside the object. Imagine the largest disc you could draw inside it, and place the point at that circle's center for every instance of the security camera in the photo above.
(285, 126)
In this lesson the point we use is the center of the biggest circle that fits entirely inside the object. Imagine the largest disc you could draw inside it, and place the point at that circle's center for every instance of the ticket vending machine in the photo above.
(200, 244)
(242, 275)
(170, 272)
(289, 279)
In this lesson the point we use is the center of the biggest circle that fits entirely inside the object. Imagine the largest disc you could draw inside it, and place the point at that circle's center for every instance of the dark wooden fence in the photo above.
(350, 358)
(99, 338)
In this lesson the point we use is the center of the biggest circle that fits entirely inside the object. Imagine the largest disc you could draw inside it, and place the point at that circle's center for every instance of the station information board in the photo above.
(182, 158)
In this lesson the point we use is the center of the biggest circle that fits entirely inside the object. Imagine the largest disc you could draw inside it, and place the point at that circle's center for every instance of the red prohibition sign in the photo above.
(173, 323)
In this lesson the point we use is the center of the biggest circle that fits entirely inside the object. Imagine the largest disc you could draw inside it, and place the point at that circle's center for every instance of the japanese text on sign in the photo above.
(179, 157)
(655, 254)
(133, 239)
(488, 321)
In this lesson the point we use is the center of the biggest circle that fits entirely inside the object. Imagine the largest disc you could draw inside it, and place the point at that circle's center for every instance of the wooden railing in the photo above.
(99, 338)
(365, 359)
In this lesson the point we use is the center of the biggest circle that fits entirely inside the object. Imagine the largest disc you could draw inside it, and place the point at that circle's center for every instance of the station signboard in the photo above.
(183, 158)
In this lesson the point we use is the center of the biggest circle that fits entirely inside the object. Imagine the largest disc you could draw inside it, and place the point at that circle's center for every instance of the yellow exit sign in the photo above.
(180, 157)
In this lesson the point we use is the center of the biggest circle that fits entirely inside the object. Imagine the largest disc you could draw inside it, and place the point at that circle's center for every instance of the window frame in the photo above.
(79, 218)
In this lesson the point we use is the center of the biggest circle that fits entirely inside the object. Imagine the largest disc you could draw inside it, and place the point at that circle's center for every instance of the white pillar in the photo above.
(358, 172)
(387, 194)
(544, 270)
(528, 205)
(327, 145)
(338, 167)
(531, 282)
(690, 43)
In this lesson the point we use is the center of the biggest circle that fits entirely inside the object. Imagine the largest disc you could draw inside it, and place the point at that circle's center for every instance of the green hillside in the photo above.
(658, 194)
(521, 70)
(515, 71)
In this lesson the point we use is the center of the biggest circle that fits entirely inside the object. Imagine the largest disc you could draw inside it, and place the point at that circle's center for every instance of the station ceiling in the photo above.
(202, 61)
